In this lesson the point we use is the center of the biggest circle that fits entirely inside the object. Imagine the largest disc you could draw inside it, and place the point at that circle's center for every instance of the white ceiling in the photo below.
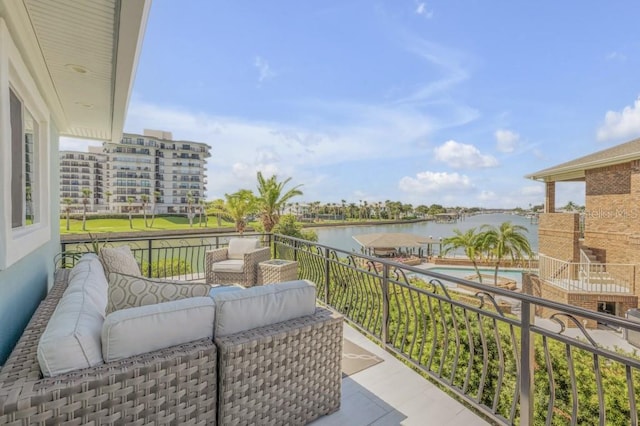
(88, 51)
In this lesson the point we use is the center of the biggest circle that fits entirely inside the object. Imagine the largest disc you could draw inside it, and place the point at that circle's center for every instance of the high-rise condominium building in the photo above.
(148, 169)
(82, 179)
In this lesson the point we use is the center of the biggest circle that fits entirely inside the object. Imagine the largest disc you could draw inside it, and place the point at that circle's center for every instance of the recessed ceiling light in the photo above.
(77, 68)
(84, 105)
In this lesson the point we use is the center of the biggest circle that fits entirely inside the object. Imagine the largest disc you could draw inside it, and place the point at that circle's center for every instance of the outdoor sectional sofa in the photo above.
(286, 372)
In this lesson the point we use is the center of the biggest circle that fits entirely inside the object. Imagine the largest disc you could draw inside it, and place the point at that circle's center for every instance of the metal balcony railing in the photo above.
(513, 368)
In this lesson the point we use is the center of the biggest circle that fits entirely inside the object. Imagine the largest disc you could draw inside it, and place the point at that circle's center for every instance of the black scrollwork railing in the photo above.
(176, 257)
(481, 342)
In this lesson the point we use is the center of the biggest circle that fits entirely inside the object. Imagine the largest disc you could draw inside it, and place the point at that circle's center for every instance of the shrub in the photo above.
(166, 268)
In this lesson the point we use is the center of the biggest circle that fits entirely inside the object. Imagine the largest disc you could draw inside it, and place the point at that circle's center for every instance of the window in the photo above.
(24, 182)
(25, 158)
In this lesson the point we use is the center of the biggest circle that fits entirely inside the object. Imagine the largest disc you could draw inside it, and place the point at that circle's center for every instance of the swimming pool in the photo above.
(459, 272)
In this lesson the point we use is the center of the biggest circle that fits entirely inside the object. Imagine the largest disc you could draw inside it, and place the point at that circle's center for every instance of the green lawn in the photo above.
(122, 225)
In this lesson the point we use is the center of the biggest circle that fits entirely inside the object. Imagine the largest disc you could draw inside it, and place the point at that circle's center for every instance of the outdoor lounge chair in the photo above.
(237, 263)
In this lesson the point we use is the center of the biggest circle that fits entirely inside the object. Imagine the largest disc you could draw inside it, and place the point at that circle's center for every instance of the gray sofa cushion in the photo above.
(135, 331)
(238, 311)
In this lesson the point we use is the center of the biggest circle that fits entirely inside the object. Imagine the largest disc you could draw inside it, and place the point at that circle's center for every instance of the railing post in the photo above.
(296, 245)
(385, 304)
(326, 275)
(149, 257)
(527, 358)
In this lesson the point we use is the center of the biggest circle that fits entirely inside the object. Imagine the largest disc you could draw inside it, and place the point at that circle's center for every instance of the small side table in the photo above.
(276, 271)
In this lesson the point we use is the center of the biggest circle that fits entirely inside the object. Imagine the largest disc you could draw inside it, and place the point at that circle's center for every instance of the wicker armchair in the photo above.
(237, 263)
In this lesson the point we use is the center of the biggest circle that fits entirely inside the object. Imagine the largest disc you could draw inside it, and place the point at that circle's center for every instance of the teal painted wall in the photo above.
(24, 284)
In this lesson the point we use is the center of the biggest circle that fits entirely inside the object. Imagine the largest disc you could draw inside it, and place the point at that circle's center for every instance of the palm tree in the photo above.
(130, 200)
(271, 198)
(67, 209)
(190, 208)
(217, 207)
(202, 206)
(470, 242)
(145, 200)
(156, 198)
(238, 206)
(85, 200)
(506, 241)
(108, 194)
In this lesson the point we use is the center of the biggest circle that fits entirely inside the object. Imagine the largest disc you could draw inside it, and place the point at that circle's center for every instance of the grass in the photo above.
(122, 225)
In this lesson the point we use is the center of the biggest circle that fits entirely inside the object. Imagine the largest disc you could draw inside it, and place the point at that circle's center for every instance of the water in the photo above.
(465, 272)
(342, 236)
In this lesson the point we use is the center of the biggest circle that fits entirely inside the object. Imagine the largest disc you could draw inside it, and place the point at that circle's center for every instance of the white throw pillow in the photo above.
(119, 259)
(258, 306)
(126, 291)
(239, 246)
(135, 331)
(88, 276)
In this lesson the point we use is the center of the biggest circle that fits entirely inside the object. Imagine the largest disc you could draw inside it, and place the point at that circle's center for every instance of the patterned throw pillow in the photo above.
(119, 259)
(126, 291)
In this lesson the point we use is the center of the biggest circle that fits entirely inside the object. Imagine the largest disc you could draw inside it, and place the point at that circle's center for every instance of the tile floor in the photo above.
(390, 393)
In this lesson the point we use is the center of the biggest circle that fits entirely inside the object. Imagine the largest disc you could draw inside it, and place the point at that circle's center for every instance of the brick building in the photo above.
(592, 259)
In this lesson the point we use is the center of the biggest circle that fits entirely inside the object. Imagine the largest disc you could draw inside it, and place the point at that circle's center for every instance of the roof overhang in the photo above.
(83, 56)
(576, 173)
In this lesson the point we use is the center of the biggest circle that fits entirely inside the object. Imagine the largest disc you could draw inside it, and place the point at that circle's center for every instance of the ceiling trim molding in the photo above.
(132, 25)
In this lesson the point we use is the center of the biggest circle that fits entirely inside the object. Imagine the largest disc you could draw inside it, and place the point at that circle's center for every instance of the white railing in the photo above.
(587, 276)
(585, 265)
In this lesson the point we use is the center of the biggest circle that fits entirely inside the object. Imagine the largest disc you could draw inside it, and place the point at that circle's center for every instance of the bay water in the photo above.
(341, 237)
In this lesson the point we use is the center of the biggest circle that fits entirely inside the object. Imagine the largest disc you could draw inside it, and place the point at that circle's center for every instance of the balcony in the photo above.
(481, 344)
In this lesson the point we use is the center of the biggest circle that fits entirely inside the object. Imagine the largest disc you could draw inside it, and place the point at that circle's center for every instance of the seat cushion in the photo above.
(135, 331)
(126, 291)
(238, 311)
(239, 246)
(119, 259)
(232, 265)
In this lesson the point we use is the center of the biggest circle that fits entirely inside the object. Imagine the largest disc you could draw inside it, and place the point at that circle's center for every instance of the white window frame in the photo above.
(16, 243)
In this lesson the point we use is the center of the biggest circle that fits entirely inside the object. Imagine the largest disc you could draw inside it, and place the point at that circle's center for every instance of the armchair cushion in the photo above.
(119, 259)
(238, 311)
(126, 291)
(143, 329)
(231, 265)
(239, 246)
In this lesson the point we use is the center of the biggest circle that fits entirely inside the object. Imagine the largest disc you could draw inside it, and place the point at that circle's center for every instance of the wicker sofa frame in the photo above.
(286, 373)
(249, 273)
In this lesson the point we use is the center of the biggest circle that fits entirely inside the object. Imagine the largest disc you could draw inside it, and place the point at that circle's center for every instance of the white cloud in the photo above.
(435, 183)
(532, 190)
(460, 155)
(621, 125)
(421, 9)
(506, 140)
(241, 147)
(487, 196)
(265, 71)
(616, 56)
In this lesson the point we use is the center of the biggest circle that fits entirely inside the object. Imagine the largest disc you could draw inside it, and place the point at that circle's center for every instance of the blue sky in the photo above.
(448, 102)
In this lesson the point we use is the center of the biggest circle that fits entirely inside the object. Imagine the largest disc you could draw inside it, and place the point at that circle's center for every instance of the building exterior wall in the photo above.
(558, 236)
(533, 285)
(24, 284)
(612, 215)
